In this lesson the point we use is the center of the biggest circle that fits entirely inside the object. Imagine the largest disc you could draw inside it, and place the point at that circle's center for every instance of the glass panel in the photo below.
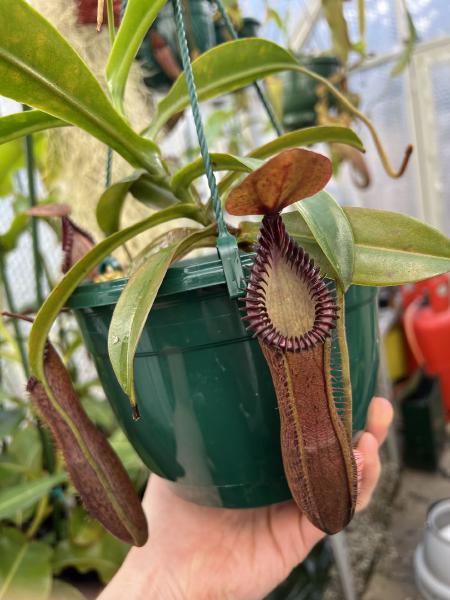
(440, 78)
(383, 101)
(431, 18)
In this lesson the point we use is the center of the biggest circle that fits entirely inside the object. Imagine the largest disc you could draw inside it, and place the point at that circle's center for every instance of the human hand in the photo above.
(202, 553)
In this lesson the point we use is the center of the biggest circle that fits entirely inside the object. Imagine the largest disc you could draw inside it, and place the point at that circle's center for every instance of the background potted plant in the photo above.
(353, 246)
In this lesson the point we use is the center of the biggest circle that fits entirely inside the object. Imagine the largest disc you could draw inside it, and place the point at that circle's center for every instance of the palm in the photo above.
(230, 544)
(202, 553)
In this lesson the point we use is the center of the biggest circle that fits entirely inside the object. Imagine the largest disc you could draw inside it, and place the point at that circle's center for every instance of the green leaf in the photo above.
(408, 45)
(334, 14)
(11, 159)
(39, 68)
(136, 22)
(392, 248)
(133, 307)
(62, 291)
(26, 450)
(9, 420)
(25, 570)
(125, 451)
(300, 137)
(104, 556)
(220, 162)
(221, 70)
(24, 495)
(8, 240)
(25, 123)
(61, 590)
(142, 187)
(307, 136)
(83, 530)
(99, 412)
(332, 231)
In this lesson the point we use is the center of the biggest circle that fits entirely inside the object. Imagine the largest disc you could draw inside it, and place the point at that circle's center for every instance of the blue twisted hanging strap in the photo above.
(226, 243)
(258, 87)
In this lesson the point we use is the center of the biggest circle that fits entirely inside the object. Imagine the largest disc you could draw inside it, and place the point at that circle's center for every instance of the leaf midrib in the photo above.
(15, 566)
(81, 107)
(397, 251)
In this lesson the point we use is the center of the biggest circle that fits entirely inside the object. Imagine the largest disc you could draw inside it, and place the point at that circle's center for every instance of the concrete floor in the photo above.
(381, 541)
(392, 577)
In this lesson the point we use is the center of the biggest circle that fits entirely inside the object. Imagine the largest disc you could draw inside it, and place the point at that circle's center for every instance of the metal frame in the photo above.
(419, 107)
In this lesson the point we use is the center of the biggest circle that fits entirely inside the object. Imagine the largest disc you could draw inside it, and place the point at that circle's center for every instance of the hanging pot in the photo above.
(200, 34)
(300, 91)
(249, 27)
(209, 417)
(87, 12)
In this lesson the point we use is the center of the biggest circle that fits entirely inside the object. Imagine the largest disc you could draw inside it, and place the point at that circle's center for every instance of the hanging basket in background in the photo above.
(300, 91)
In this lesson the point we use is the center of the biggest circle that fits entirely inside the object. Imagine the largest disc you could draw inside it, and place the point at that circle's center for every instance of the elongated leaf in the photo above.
(39, 68)
(300, 137)
(11, 159)
(136, 22)
(64, 591)
(104, 556)
(307, 136)
(220, 162)
(223, 69)
(61, 293)
(332, 231)
(27, 122)
(25, 569)
(9, 239)
(392, 248)
(133, 307)
(333, 11)
(408, 45)
(24, 495)
(140, 184)
(9, 420)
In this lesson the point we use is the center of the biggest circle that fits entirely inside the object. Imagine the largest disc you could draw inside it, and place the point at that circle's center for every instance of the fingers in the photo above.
(370, 468)
(379, 418)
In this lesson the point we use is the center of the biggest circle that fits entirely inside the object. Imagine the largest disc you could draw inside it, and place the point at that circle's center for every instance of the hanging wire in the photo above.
(226, 243)
(109, 153)
(258, 87)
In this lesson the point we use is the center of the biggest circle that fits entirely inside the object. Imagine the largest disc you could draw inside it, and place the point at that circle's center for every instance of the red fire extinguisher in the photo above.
(427, 324)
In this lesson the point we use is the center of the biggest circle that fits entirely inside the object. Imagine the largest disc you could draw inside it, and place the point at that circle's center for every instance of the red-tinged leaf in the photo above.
(290, 176)
(54, 209)
(96, 472)
(76, 243)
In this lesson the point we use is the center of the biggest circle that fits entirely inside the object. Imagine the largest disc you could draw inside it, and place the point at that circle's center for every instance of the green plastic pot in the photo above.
(200, 35)
(209, 419)
(299, 91)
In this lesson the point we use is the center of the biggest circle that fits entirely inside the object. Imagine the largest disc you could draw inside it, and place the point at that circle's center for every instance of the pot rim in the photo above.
(183, 276)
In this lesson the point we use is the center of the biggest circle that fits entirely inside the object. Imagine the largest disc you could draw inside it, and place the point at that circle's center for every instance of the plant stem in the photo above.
(29, 155)
(111, 27)
(362, 117)
(38, 518)
(15, 323)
